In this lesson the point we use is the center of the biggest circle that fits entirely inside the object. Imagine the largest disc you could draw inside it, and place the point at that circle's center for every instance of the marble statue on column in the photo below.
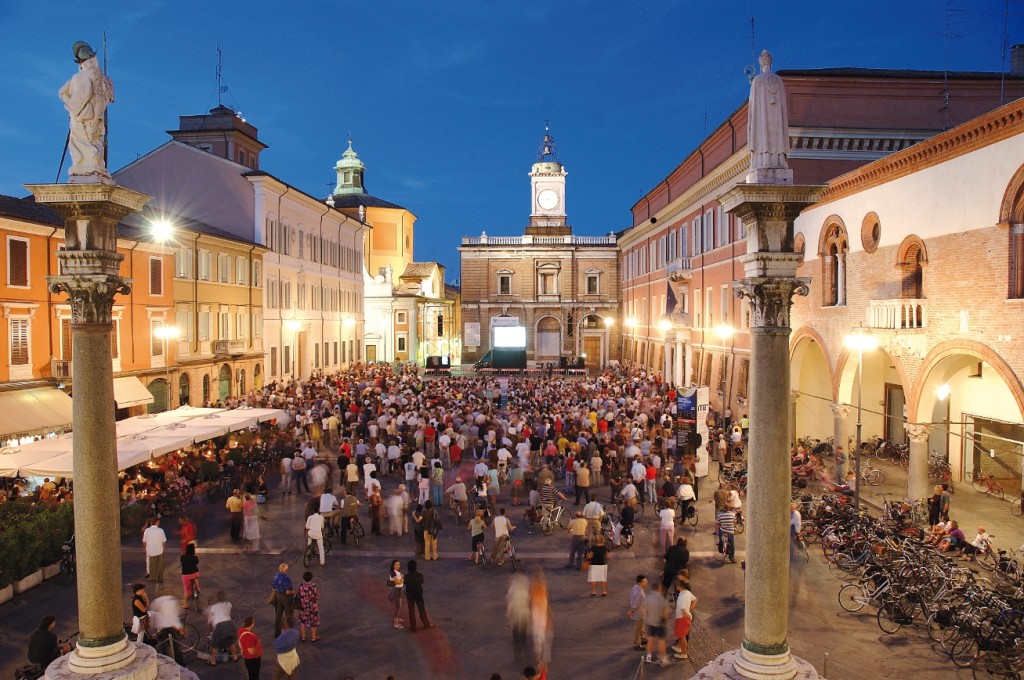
(86, 97)
(768, 127)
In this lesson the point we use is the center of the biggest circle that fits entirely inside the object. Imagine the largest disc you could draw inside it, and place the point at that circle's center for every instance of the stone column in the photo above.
(91, 264)
(770, 285)
(680, 363)
(794, 402)
(840, 412)
(917, 477)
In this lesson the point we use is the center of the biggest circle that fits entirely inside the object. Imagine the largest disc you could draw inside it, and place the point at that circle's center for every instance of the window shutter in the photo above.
(17, 262)
(114, 349)
(19, 342)
(65, 339)
(156, 279)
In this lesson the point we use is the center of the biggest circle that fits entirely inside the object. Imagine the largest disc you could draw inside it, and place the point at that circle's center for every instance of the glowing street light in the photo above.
(859, 342)
(162, 230)
(942, 391)
(664, 325)
(631, 322)
(348, 322)
(293, 325)
(724, 331)
(609, 321)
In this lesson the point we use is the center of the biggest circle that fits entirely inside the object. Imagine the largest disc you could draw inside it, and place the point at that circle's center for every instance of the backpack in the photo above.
(434, 528)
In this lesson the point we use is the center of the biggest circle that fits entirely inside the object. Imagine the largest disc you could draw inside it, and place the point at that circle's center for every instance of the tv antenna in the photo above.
(221, 87)
(751, 70)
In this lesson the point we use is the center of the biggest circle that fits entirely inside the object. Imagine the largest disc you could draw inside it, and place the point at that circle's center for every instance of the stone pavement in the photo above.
(591, 635)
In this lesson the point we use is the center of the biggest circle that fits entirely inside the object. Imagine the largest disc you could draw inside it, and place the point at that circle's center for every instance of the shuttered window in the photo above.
(114, 349)
(65, 338)
(156, 276)
(19, 342)
(156, 342)
(17, 262)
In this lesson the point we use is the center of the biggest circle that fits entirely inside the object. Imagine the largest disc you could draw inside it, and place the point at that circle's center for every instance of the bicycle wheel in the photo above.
(627, 540)
(875, 477)
(934, 628)
(987, 560)
(842, 566)
(991, 666)
(357, 531)
(1015, 508)
(979, 484)
(67, 571)
(811, 533)
(893, 615)
(997, 490)
(188, 643)
(741, 525)
(639, 511)
(964, 652)
(851, 597)
(510, 549)
(563, 519)
(800, 549)
(327, 545)
(307, 555)
(693, 517)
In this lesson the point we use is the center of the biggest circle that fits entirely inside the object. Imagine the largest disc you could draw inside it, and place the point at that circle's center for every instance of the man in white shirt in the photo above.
(503, 457)
(593, 513)
(394, 455)
(418, 457)
(286, 474)
(165, 619)
(796, 521)
(480, 469)
(315, 532)
(667, 527)
(154, 539)
(222, 636)
(444, 443)
(502, 526)
(329, 506)
(686, 497)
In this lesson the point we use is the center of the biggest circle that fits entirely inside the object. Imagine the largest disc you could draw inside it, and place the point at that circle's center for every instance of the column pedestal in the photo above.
(145, 664)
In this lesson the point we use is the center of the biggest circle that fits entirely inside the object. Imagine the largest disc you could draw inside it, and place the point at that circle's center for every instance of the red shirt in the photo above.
(247, 639)
(652, 472)
(188, 534)
(428, 434)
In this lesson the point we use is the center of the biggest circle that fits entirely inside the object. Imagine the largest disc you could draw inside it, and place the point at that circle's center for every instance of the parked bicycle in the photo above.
(68, 565)
(987, 484)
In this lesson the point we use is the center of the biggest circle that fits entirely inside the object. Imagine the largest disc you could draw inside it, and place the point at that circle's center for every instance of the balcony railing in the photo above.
(678, 269)
(528, 240)
(910, 314)
(228, 347)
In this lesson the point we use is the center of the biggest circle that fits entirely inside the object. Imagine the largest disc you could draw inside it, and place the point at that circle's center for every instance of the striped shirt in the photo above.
(726, 521)
(547, 494)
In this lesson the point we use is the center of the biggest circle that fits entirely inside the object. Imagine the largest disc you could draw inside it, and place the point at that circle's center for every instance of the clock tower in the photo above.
(547, 192)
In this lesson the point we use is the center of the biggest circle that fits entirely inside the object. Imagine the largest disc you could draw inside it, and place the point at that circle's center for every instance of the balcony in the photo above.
(678, 269)
(898, 315)
(223, 348)
(530, 240)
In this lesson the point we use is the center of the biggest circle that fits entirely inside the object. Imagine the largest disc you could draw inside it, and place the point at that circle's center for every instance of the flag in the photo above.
(670, 300)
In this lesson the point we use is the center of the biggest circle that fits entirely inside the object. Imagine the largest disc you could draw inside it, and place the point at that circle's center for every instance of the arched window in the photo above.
(833, 247)
(911, 259)
(206, 389)
(184, 385)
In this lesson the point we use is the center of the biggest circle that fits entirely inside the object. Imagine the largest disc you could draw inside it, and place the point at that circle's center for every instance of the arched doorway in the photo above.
(241, 382)
(257, 377)
(184, 387)
(158, 388)
(593, 341)
(811, 379)
(224, 380)
(884, 396)
(206, 389)
(549, 339)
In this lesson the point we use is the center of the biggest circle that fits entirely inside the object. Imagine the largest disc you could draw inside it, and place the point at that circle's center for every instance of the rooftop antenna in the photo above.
(947, 35)
(1002, 69)
(221, 87)
(751, 70)
(106, 111)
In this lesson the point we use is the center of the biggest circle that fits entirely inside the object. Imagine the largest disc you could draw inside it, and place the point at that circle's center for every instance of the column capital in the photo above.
(91, 296)
(771, 299)
(794, 396)
(918, 433)
(840, 410)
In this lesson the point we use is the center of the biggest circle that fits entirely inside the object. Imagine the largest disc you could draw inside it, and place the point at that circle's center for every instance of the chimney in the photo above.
(1017, 60)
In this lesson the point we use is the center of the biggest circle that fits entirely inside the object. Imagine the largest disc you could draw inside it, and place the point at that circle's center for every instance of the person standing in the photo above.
(189, 574)
(396, 592)
(582, 481)
(431, 523)
(376, 509)
(315, 532)
(637, 611)
(840, 460)
(283, 594)
(234, 506)
(502, 526)
(414, 596)
(299, 473)
(577, 541)
(667, 526)
(285, 645)
(252, 648)
(154, 539)
(250, 521)
(187, 531)
(309, 607)
(598, 572)
(685, 604)
(657, 615)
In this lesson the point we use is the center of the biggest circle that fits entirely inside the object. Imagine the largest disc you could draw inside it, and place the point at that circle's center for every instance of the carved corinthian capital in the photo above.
(771, 299)
(91, 296)
(918, 434)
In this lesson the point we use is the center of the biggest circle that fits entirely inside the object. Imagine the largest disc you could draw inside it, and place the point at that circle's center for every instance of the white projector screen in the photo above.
(510, 336)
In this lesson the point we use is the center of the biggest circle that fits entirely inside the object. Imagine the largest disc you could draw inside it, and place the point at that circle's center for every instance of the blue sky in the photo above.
(446, 99)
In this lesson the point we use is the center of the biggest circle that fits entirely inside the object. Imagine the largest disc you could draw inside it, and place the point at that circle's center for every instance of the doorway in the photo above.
(592, 348)
(895, 414)
(371, 354)
(224, 380)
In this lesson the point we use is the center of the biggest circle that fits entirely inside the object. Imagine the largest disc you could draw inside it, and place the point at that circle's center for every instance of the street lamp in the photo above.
(859, 342)
(664, 325)
(167, 333)
(609, 321)
(162, 230)
(724, 331)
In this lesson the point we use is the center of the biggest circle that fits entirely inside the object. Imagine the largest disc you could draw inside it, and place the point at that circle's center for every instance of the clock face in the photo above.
(547, 199)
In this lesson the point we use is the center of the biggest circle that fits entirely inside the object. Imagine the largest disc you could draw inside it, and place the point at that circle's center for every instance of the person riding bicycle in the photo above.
(456, 493)
(686, 497)
(349, 508)
(189, 573)
(795, 520)
(165, 619)
(628, 494)
(43, 647)
(222, 630)
(548, 497)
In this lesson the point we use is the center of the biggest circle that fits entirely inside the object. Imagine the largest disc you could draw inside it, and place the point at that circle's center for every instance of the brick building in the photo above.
(924, 251)
(681, 253)
(564, 288)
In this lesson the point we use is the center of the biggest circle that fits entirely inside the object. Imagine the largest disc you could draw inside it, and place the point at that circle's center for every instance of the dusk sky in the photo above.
(447, 100)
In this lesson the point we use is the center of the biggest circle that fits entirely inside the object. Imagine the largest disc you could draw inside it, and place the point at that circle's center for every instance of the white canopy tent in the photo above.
(139, 439)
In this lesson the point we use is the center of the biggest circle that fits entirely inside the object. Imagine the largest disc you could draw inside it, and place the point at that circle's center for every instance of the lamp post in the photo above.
(724, 332)
(859, 342)
(167, 333)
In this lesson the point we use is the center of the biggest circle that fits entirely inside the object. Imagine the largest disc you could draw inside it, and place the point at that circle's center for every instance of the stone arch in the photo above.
(833, 229)
(911, 257)
(1011, 208)
(949, 348)
(912, 250)
(548, 334)
(811, 380)
(833, 246)
(877, 376)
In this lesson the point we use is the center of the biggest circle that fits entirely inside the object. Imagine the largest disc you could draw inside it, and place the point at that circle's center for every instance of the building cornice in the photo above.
(995, 126)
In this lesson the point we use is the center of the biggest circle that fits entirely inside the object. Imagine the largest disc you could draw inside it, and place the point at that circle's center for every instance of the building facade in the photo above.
(563, 288)
(923, 251)
(312, 284)
(682, 253)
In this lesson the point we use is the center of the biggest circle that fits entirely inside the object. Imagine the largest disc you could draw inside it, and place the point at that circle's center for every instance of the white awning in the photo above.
(33, 410)
(131, 392)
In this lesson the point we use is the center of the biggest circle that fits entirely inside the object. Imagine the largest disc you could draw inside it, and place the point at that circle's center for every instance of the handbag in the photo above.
(261, 498)
(586, 559)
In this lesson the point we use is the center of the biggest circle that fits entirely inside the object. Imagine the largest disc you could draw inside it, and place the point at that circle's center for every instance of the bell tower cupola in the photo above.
(547, 191)
(350, 171)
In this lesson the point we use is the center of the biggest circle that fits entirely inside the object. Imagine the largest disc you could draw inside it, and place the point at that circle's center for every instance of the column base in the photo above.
(741, 664)
(143, 663)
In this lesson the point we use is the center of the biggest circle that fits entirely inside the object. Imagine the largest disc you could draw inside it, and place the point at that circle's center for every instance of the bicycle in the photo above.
(556, 516)
(638, 509)
(481, 554)
(457, 510)
(510, 553)
(313, 552)
(34, 671)
(67, 560)
(870, 474)
(987, 484)
(193, 594)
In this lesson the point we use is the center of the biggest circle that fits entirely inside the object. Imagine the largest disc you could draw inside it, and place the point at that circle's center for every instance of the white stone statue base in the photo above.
(146, 665)
(740, 664)
(770, 176)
